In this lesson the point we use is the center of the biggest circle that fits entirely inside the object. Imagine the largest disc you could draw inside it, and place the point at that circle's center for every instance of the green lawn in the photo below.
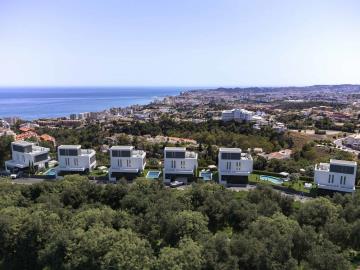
(97, 173)
(297, 186)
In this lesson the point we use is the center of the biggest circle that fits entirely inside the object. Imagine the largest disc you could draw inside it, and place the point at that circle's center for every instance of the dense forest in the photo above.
(76, 224)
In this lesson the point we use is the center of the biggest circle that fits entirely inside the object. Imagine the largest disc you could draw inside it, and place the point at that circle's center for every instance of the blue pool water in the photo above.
(206, 176)
(51, 173)
(153, 174)
(272, 179)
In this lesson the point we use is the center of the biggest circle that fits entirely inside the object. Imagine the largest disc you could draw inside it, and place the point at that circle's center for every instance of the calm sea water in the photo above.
(33, 103)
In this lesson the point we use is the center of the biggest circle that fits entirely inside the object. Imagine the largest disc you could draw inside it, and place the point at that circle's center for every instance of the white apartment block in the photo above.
(26, 154)
(234, 166)
(237, 115)
(125, 160)
(179, 164)
(338, 175)
(74, 159)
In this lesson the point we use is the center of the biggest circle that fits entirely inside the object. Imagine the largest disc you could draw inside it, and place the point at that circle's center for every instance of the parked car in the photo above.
(176, 184)
(16, 175)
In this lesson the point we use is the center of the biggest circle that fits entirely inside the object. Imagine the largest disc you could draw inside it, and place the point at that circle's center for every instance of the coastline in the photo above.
(32, 103)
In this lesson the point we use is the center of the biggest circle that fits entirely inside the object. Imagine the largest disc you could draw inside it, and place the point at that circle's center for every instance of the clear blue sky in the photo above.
(179, 43)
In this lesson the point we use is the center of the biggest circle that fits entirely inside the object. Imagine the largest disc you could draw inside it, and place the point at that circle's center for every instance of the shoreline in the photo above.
(90, 99)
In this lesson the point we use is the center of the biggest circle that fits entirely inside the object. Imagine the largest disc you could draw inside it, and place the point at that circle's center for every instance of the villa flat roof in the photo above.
(343, 162)
(175, 148)
(69, 147)
(224, 149)
(122, 147)
(22, 143)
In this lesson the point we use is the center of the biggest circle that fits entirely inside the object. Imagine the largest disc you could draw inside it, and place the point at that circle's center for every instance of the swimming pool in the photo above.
(206, 176)
(51, 174)
(272, 179)
(153, 174)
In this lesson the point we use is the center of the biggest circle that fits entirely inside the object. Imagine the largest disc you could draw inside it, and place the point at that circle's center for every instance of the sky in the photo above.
(179, 43)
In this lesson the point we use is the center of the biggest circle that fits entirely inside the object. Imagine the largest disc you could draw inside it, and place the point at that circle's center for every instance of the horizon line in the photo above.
(195, 87)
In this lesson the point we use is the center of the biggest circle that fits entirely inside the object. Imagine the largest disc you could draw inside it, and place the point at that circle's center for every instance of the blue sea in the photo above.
(34, 103)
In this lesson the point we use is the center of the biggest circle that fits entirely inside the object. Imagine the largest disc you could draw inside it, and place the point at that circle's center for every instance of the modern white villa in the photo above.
(74, 159)
(237, 115)
(125, 160)
(26, 155)
(338, 175)
(234, 166)
(179, 164)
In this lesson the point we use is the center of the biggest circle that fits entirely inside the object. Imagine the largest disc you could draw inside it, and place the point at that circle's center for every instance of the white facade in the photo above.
(338, 175)
(234, 166)
(237, 115)
(279, 127)
(125, 159)
(74, 159)
(179, 164)
(26, 154)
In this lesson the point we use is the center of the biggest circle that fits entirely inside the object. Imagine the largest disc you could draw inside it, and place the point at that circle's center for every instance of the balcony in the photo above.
(178, 170)
(189, 154)
(87, 152)
(38, 149)
(137, 153)
(322, 167)
(234, 172)
(336, 187)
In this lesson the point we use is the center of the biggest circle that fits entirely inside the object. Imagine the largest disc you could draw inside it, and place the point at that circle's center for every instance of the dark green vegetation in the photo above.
(74, 224)
(309, 104)
(298, 121)
(5, 149)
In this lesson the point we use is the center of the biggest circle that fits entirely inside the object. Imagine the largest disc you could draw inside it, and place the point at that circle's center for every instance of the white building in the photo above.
(26, 154)
(237, 115)
(74, 159)
(125, 160)
(353, 141)
(234, 166)
(338, 175)
(179, 164)
(7, 132)
(279, 127)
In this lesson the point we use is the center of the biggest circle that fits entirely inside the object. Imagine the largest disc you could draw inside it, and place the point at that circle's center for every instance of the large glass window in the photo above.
(121, 153)
(341, 169)
(41, 157)
(175, 154)
(232, 156)
(69, 152)
(22, 149)
(92, 159)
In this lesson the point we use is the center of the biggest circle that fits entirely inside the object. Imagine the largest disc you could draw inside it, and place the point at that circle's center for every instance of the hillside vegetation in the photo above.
(75, 224)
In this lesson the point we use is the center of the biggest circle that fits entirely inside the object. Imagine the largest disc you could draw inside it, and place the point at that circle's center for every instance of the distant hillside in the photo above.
(313, 88)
